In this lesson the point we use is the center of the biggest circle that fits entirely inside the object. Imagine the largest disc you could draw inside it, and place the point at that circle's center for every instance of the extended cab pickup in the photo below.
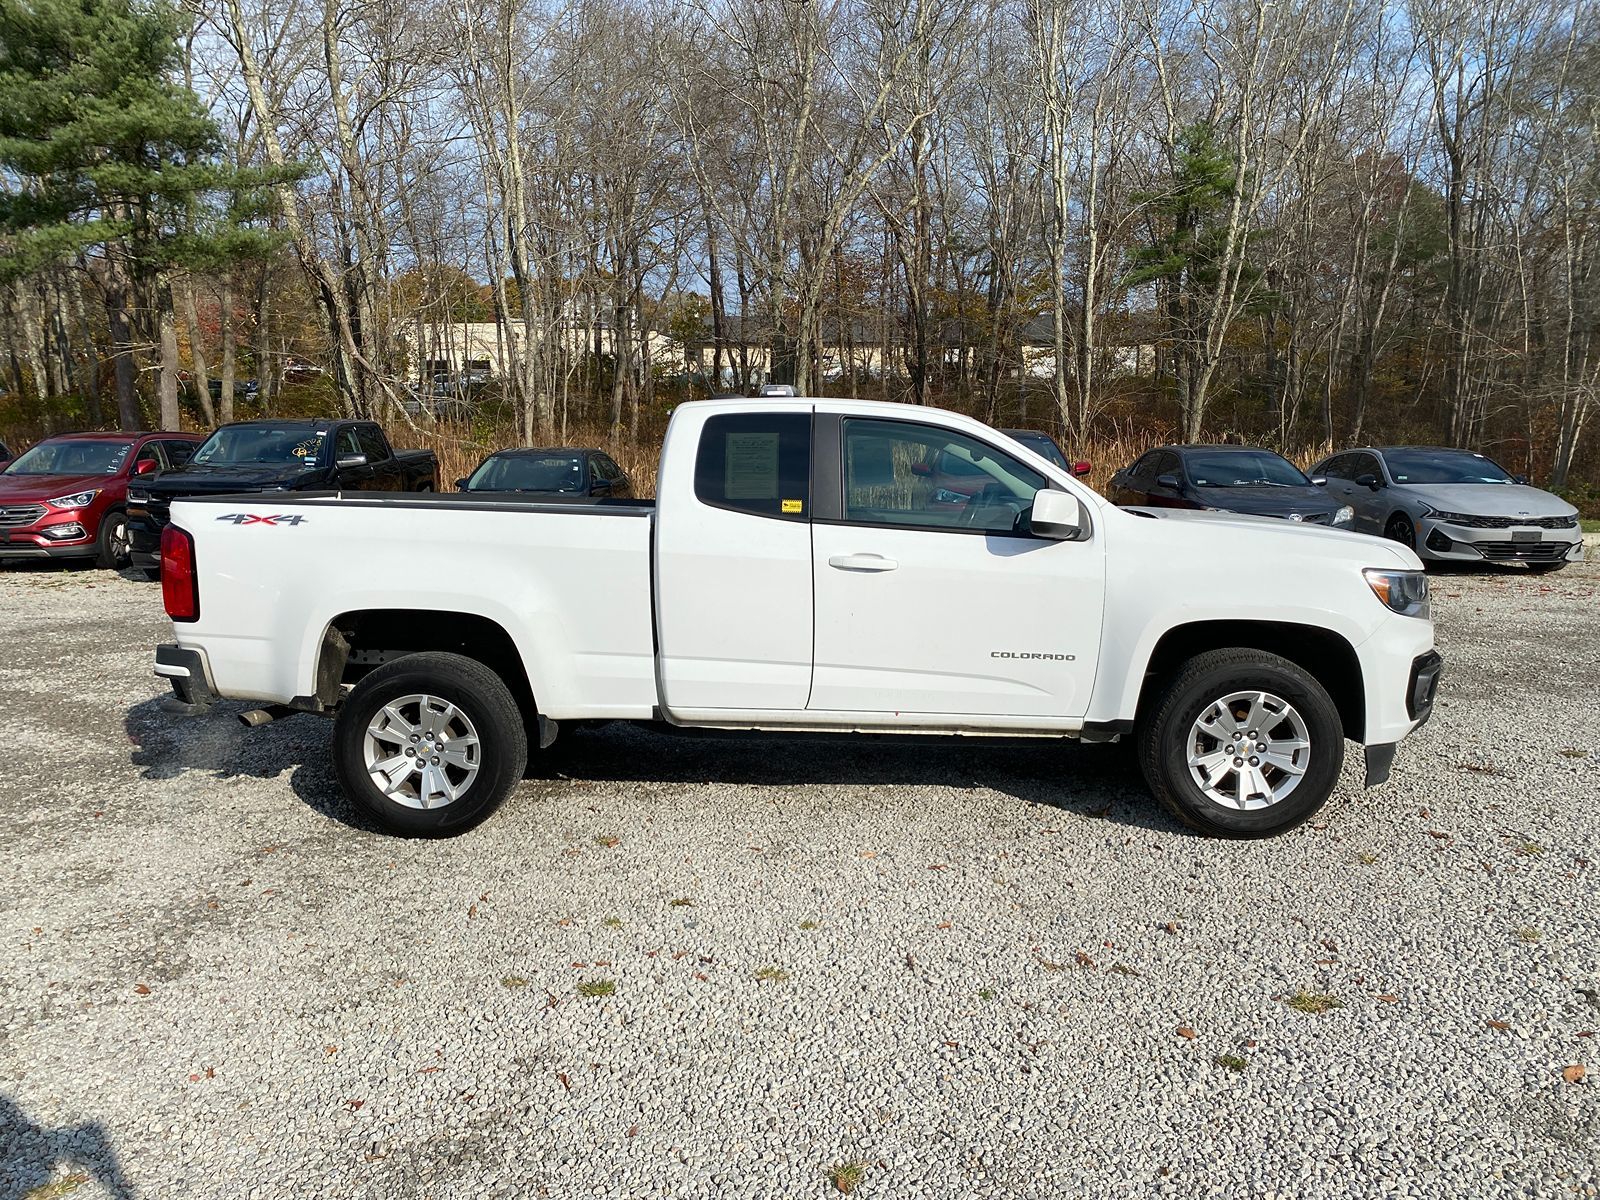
(274, 457)
(800, 572)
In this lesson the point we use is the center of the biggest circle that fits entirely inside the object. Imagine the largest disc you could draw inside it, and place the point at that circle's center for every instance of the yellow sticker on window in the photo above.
(794, 506)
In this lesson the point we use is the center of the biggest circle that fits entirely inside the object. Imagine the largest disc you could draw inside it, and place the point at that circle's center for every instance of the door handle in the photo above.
(862, 562)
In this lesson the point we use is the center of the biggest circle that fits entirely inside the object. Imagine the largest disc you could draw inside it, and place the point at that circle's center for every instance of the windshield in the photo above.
(529, 473)
(1244, 468)
(241, 445)
(69, 456)
(1043, 445)
(1443, 466)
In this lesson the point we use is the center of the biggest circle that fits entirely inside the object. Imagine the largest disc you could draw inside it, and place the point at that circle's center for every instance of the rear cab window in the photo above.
(756, 463)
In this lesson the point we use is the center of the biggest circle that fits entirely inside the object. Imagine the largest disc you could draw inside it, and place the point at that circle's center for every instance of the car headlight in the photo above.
(1404, 592)
(76, 500)
(135, 496)
(1449, 518)
(1344, 516)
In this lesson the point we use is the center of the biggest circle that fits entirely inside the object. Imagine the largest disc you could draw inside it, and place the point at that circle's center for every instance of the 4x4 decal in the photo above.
(256, 519)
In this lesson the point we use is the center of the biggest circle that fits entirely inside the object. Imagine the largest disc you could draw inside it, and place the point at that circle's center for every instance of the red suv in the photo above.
(66, 497)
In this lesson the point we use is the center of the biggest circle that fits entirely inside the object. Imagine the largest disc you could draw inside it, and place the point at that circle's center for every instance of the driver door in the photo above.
(925, 605)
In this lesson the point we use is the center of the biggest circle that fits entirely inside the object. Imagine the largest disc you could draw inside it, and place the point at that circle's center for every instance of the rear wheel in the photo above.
(1242, 743)
(1400, 529)
(112, 548)
(429, 744)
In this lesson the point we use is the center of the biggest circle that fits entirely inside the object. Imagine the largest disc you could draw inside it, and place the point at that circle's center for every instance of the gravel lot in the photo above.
(990, 970)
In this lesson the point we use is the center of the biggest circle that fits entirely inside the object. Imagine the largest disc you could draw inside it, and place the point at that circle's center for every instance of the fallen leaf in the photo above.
(938, 866)
(472, 911)
(1083, 960)
(632, 1130)
(942, 925)
(561, 1077)
(1498, 1024)
(355, 1104)
(426, 1070)
(141, 989)
(1171, 927)
(1388, 999)
(211, 1072)
(1573, 1074)
(330, 1049)
(1185, 1032)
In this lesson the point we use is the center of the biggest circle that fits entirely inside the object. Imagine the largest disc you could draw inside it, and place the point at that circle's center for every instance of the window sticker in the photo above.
(794, 506)
(752, 466)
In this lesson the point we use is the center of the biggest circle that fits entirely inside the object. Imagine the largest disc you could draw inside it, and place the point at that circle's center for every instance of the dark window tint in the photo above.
(1168, 463)
(372, 443)
(1337, 467)
(1145, 468)
(1444, 466)
(608, 470)
(149, 452)
(179, 453)
(1365, 464)
(529, 473)
(1243, 468)
(900, 473)
(758, 463)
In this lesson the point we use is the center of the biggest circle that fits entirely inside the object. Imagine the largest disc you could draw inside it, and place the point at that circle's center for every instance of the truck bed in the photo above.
(571, 579)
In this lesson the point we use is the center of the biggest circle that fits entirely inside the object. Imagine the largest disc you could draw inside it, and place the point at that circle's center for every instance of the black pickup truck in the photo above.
(275, 456)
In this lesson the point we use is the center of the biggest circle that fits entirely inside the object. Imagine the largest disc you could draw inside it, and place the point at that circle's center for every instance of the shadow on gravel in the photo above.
(30, 1154)
(1090, 781)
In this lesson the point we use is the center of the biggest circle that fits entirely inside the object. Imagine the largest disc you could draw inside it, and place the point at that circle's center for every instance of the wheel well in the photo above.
(358, 642)
(1322, 653)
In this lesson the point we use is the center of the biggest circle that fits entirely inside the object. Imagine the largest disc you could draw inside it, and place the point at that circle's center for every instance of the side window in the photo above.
(149, 452)
(372, 443)
(757, 463)
(179, 453)
(900, 473)
(1168, 463)
(1364, 464)
(1337, 467)
(348, 443)
(1145, 468)
(609, 471)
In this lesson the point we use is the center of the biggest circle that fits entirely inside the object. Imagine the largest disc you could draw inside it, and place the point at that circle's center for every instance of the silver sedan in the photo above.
(1454, 506)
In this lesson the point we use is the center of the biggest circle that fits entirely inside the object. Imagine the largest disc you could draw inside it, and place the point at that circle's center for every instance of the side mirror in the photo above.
(921, 470)
(461, 485)
(1081, 469)
(1369, 480)
(1171, 482)
(351, 460)
(147, 466)
(1056, 515)
(1522, 479)
(1319, 481)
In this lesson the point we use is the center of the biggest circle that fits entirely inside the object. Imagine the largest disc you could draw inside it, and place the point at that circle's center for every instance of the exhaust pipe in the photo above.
(262, 716)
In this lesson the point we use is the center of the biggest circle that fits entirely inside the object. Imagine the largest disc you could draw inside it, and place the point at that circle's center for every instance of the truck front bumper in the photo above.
(189, 675)
(1420, 692)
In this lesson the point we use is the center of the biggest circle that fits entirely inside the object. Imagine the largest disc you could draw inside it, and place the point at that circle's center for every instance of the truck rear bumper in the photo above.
(189, 675)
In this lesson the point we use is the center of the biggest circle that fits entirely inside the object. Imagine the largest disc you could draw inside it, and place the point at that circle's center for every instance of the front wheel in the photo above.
(1242, 743)
(112, 548)
(1399, 529)
(429, 744)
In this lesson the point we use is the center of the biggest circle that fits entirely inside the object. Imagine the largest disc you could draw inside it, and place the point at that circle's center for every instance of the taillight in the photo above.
(180, 586)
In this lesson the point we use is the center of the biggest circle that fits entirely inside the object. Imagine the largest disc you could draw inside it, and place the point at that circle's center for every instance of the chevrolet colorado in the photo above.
(803, 570)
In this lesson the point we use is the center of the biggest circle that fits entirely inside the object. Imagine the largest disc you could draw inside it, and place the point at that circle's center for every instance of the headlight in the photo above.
(1449, 518)
(1344, 516)
(137, 497)
(76, 500)
(1404, 592)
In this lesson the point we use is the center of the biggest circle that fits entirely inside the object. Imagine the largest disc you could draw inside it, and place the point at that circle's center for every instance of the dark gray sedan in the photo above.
(558, 471)
(1454, 506)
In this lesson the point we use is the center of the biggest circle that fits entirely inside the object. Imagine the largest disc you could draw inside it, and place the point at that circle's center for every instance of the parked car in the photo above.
(67, 496)
(561, 471)
(1455, 506)
(276, 457)
(795, 573)
(1238, 479)
(1044, 444)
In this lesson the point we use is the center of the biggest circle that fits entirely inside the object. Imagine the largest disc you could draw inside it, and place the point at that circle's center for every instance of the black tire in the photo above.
(1400, 529)
(480, 696)
(1545, 568)
(1164, 741)
(111, 547)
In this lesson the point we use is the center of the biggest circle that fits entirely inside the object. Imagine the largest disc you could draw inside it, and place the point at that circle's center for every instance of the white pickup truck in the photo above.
(810, 564)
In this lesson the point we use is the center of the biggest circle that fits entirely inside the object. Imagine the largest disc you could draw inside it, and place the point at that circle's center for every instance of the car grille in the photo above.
(1470, 522)
(1523, 551)
(159, 510)
(19, 515)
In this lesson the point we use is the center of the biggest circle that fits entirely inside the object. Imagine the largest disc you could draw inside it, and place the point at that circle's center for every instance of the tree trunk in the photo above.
(197, 353)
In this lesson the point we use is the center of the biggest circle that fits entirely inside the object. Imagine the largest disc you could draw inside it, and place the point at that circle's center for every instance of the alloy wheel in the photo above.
(421, 751)
(1248, 750)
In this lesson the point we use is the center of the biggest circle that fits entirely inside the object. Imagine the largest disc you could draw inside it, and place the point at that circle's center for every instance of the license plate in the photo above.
(1524, 535)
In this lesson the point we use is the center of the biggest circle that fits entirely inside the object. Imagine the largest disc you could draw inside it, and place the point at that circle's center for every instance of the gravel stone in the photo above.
(218, 980)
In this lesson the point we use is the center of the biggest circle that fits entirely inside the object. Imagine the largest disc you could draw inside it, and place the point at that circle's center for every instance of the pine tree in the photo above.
(103, 153)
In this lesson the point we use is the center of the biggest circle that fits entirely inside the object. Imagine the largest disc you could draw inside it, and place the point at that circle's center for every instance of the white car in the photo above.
(800, 571)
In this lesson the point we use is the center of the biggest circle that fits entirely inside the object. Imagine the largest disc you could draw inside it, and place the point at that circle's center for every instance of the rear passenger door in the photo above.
(733, 565)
